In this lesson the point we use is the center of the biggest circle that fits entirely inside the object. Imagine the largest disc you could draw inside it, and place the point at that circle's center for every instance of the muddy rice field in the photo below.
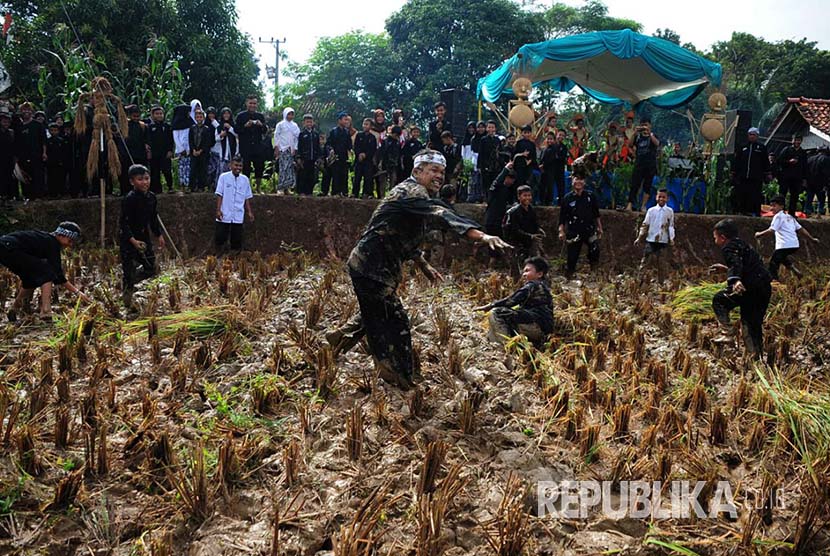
(218, 422)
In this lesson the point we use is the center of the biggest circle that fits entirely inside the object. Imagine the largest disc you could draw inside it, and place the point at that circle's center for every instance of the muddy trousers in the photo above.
(574, 248)
(506, 323)
(137, 266)
(781, 257)
(386, 325)
(753, 304)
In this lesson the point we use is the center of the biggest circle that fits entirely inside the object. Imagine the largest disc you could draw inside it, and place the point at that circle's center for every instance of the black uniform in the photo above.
(750, 168)
(745, 265)
(525, 165)
(533, 317)
(452, 154)
(498, 199)
(394, 235)
(30, 141)
(579, 215)
(340, 142)
(159, 138)
(56, 156)
(645, 167)
(366, 144)
(309, 152)
(817, 181)
(553, 161)
(8, 183)
(488, 159)
(389, 158)
(76, 164)
(518, 226)
(139, 217)
(34, 256)
(202, 138)
(793, 171)
(408, 152)
(436, 128)
(250, 142)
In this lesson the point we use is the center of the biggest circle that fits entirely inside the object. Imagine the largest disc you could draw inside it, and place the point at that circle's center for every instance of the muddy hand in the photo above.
(495, 242)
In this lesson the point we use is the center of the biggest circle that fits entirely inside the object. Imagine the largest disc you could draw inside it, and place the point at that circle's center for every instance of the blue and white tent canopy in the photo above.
(613, 67)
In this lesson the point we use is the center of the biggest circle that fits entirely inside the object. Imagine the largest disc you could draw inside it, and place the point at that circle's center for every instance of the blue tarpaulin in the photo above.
(613, 67)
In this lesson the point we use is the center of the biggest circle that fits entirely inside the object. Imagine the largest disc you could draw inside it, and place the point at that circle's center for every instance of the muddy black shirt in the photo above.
(397, 229)
(744, 264)
(535, 298)
(41, 245)
(519, 224)
(579, 214)
(138, 217)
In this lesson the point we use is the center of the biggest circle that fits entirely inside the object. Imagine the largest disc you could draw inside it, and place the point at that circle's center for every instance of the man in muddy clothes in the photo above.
(394, 235)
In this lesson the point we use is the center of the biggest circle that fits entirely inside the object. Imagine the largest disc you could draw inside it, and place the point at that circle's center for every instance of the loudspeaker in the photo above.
(456, 101)
(736, 136)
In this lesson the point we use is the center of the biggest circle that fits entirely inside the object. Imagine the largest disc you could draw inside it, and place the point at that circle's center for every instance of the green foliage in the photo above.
(156, 50)
(562, 19)
(452, 43)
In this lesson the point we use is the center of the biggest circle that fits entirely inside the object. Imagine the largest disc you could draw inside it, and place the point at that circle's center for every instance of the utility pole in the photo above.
(276, 43)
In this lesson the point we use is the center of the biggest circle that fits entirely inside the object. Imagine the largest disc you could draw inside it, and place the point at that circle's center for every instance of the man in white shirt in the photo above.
(233, 203)
(286, 135)
(786, 228)
(658, 231)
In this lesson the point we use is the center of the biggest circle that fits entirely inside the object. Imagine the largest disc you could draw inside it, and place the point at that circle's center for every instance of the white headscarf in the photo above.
(286, 133)
(195, 104)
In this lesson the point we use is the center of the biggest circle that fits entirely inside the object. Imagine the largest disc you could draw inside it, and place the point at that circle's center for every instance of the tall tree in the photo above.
(561, 19)
(355, 72)
(200, 34)
(452, 43)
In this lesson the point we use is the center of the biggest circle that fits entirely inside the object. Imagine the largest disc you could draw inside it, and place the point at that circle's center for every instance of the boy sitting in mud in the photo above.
(528, 311)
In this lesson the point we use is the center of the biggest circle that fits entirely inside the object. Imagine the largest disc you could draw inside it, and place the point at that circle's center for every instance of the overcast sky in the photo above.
(701, 22)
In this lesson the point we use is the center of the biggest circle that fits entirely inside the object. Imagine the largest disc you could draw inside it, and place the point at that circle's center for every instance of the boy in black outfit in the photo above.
(139, 217)
(30, 147)
(202, 138)
(488, 156)
(452, 152)
(793, 172)
(55, 162)
(533, 312)
(159, 139)
(412, 146)
(526, 161)
(309, 152)
(552, 163)
(35, 257)
(748, 286)
(390, 161)
(365, 146)
(8, 183)
(521, 228)
(579, 222)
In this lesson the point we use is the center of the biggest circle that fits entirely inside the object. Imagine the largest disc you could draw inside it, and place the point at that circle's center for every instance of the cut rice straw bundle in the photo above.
(203, 322)
(694, 303)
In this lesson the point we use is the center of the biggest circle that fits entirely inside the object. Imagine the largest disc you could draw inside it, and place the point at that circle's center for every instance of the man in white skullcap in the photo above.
(394, 234)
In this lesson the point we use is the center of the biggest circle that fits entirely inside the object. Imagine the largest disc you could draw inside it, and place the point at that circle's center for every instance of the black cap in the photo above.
(778, 200)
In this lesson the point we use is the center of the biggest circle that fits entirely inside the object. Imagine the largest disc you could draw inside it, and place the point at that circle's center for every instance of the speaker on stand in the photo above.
(456, 116)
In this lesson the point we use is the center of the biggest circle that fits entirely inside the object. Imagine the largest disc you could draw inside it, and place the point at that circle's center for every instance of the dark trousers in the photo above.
(574, 248)
(199, 171)
(8, 183)
(224, 231)
(137, 266)
(160, 166)
(781, 257)
(363, 172)
(78, 187)
(641, 177)
(36, 185)
(340, 178)
(385, 324)
(306, 177)
(506, 323)
(793, 186)
(753, 303)
(487, 179)
(257, 163)
(325, 181)
(747, 195)
(55, 181)
(815, 191)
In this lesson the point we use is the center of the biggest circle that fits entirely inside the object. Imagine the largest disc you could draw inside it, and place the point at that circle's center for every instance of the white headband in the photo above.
(430, 158)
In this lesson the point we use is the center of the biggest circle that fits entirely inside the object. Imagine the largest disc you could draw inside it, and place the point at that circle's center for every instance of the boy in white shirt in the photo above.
(786, 228)
(658, 231)
(233, 204)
